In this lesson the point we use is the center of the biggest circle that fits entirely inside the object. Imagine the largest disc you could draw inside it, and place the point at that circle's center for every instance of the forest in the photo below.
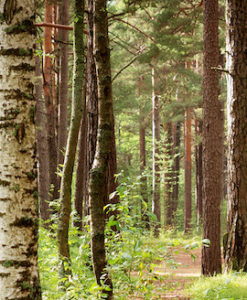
(123, 136)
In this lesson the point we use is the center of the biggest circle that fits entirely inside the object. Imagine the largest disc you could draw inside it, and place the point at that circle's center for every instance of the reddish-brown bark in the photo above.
(47, 86)
(212, 142)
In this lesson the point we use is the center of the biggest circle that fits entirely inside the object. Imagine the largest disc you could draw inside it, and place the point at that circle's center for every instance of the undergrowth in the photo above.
(230, 286)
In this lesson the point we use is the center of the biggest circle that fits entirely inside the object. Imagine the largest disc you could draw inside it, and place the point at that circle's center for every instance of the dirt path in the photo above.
(187, 269)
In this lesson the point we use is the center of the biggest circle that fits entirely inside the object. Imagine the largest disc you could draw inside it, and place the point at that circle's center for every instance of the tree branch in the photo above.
(59, 26)
(137, 29)
(128, 64)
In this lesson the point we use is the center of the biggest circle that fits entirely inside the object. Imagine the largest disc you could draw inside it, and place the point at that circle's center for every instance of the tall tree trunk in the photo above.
(80, 180)
(76, 115)
(176, 168)
(199, 177)
(156, 153)
(187, 169)
(169, 206)
(63, 37)
(236, 250)
(142, 144)
(99, 175)
(42, 146)
(18, 185)
(47, 86)
(212, 143)
(92, 103)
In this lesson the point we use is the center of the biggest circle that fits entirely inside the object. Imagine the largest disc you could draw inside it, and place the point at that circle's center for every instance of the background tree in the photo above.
(99, 177)
(76, 116)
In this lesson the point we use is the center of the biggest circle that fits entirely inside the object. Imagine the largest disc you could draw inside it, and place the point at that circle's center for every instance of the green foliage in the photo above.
(228, 286)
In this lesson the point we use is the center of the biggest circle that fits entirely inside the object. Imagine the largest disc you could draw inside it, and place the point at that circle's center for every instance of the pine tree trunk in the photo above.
(47, 86)
(236, 250)
(176, 167)
(42, 146)
(99, 177)
(63, 37)
(156, 153)
(212, 143)
(187, 169)
(199, 178)
(142, 145)
(19, 276)
(169, 205)
(76, 115)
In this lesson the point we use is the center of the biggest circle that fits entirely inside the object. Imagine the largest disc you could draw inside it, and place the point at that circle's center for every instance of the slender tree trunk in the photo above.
(19, 277)
(156, 153)
(63, 36)
(236, 248)
(199, 178)
(187, 169)
(47, 86)
(169, 206)
(212, 143)
(92, 103)
(80, 181)
(176, 168)
(76, 115)
(42, 146)
(142, 144)
(99, 177)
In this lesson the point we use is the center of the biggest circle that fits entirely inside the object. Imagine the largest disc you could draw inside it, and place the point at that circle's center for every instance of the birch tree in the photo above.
(19, 277)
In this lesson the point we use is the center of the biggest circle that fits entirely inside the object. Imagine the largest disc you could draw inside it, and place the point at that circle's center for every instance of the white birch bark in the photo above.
(19, 278)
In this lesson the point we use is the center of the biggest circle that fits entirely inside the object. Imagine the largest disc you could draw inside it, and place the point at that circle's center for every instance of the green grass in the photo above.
(228, 286)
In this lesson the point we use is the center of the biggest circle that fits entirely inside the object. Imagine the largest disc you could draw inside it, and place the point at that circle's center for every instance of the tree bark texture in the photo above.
(236, 65)
(99, 174)
(63, 36)
(187, 170)
(76, 116)
(50, 110)
(19, 277)
(212, 143)
(42, 146)
(156, 153)
(199, 177)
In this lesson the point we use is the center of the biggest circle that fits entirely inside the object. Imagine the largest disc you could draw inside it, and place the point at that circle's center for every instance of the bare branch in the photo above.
(137, 29)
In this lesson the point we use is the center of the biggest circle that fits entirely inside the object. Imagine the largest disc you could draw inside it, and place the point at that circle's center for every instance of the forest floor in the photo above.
(172, 280)
(187, 269)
